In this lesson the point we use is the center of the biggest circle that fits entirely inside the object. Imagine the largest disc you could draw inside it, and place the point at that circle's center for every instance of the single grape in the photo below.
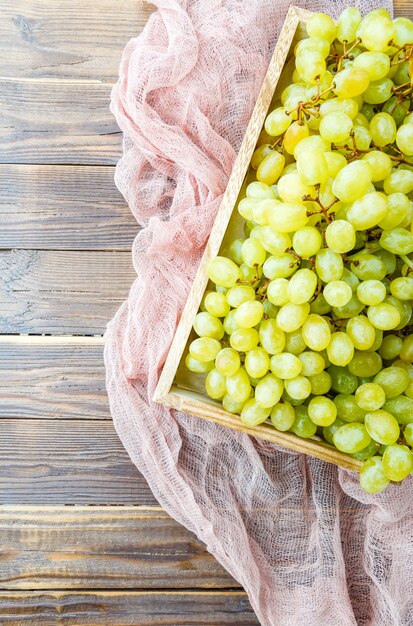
(207, 325)
(322, 26)
(335, 127)
(285, 365)
(310, 65)
(239, 294)
(383, 316)
(273, 241)
(215, 385)
(342, 381)
(361, 332)
(372, 476)
(393, 380)
(223, 271)
(312, 166)
(204, 349)
(351, 438)
(294, 342)
(376, 31)
(348, 409)
(370, 396)
(399, 180)
(253, 413)
(269, 391)
(229, 323)
(303, 426)
(368, 210)
(353, 181)
(406, 352)
(340, 350)
(257, 362)
(340, 236)
(390, 347)
(306, 241)
(270, 168)
(367, 452)
(259, 191)
(316, 332)
(397, 462)
(322, 411)
(277, 122)
(371, 292)
(404, 139)
(365, 363)
(283, 416)
(288, 217)
(199, 367)
(227, 362)
(302, 286)
(335, 163)
(402, 288)
(294, 134)
(351, 82)
(337, 293)
(376, 64)
(401, 407)
(280, 266)
(291, 316)
(298, 388)
(320, 383)
(397, 240)
(216, 304)
(244, 339)
(277, 291)
(239, 386)
(381, 164)
(347, 25)
(248, 314)
(312, 363)
(382, 426)
(272, 338)
(259, 154)
(329, 265)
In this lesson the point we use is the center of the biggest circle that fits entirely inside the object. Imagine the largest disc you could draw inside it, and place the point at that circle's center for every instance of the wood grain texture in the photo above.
(57, 121)
(63, 208)
(102, 547)
(52, 378)
(75, 39)
(403, 8)
(61, 292)
(67, 462)
(127, 608)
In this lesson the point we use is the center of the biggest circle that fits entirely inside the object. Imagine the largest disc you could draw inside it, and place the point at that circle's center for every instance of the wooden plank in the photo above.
(63, 208)
(102, 548)
(50, 38)
(127, 608)
(57, 121)
(52, 378)
(403, 8)
(67, 462)
(74, 292)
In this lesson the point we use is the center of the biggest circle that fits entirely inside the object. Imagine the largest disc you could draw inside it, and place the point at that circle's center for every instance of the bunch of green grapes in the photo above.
(307, 323)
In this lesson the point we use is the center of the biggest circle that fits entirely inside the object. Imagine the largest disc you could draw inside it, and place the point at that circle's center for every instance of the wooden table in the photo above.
(82, 539)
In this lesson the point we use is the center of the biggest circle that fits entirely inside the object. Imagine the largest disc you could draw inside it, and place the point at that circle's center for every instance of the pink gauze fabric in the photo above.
(300, 536)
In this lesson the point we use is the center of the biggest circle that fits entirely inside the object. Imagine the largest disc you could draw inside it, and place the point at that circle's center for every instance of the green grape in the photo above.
(313, 143)
(306, 241)
(316, 332)
(377, 343)
(253, 253)
(283, 416)
(312, 167)
(257, 362)
(259, 154)
(312, 363)
(239, 294)
(246, 206)
(367, 452)
(248, 314)
(372, 476)
(340, 106)
(393, 380)
(204, 349)
(302, 286)
(230, 324)
(239, 386)
(270, 168)
(273, 241)
(216, 304)
(350, 278)
(280, 266)
(365, 363)
(223, 271)
(368, 210)
(215, 385)
(390, 347)
(310, 65)
(320, 306)
(288, 216)
(398, 110)
(293, 188)
(351, 438)
(351, 82)
(269, 391)
(398, 205)
(272, 338)
(383, 129)
(277, 122)
(293, 401)
(335, 163)
(337, 293)
(231, 406)
(292, 316)
(361, 332)
(371, 292)
(298, 388)
(408, 434)
(397, 462)
(383, 316)
(403, 31)
(352, 308)
(260, 216)
(400, 180)
(370, 396)
(347, 25)
(376, 31)
(328, 431)
(404, 139)
(259, 191)
(406, 352)
(207, 325)
(335, 127)
(381, 164)
(401, 407)
(397, 240)
(253, 413)
(376, 64)
(199, 367)
(329, 265)
(277, 291)
(367, 266)
(313, 43)
(353, 181)
(322, 411)
(402, 288)
(285, 365)
(320, 383)
(303, 426)
(294, 342)
(342, 381)
(382, 426)
(235, 250)
(244, 339)
(293, 135)
(227, 362)
(322, 26)
(348, 409)
(340, 236)
(340, 350)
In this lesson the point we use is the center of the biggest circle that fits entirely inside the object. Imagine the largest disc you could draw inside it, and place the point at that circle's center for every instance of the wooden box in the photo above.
(179, 388)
